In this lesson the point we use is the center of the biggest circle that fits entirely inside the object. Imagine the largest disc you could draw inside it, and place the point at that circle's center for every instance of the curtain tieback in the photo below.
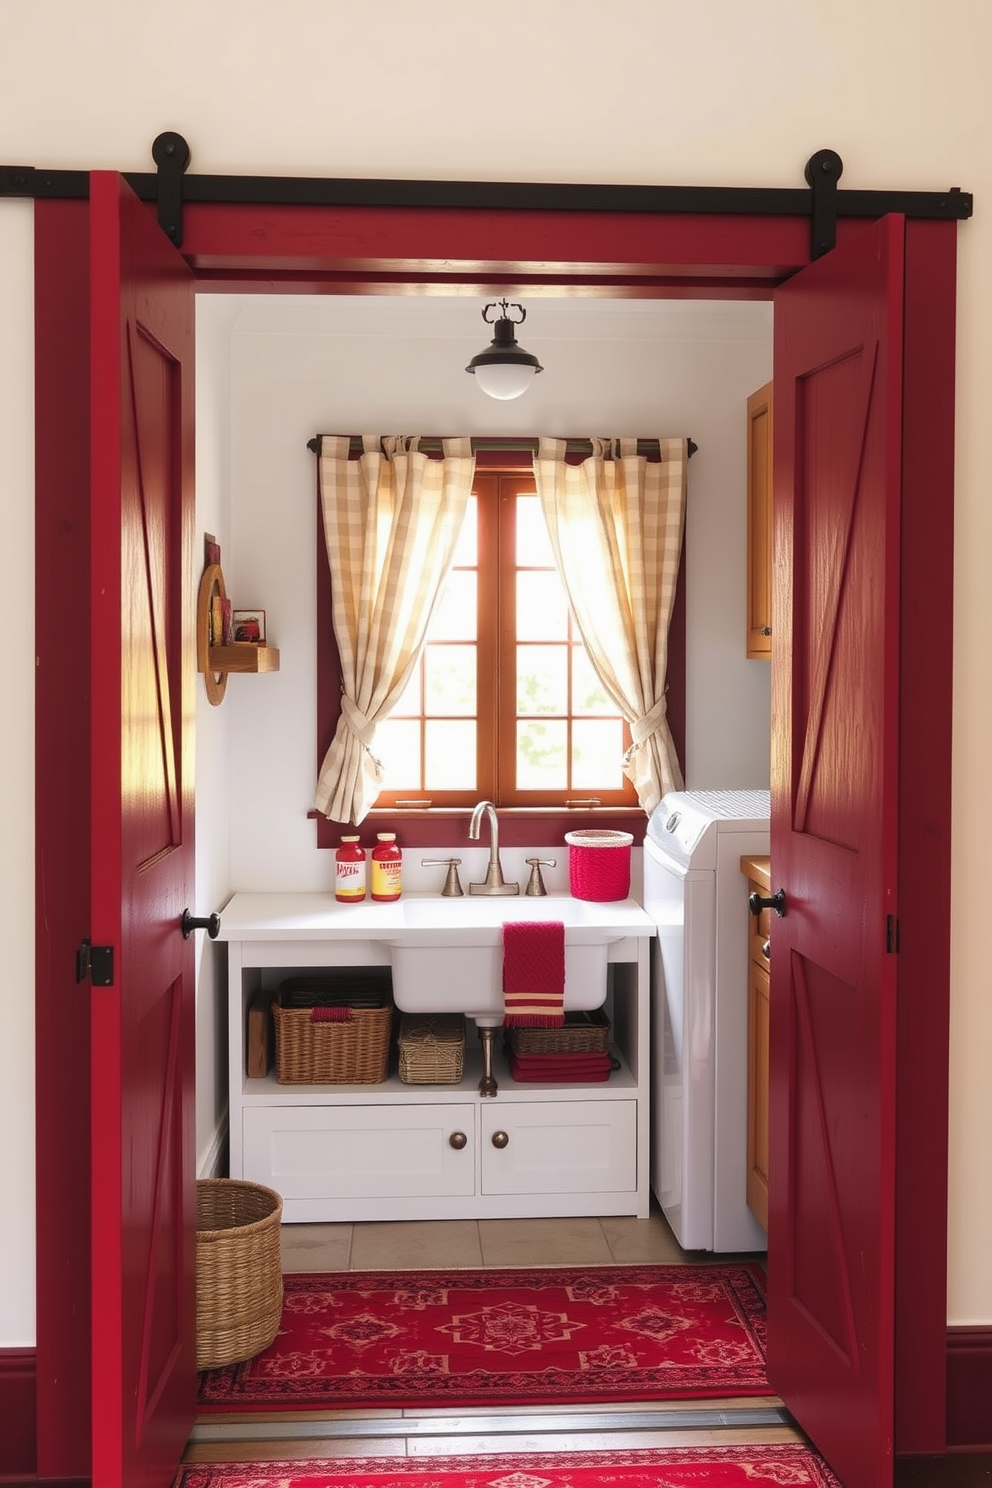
(362, 727)
(642, 728)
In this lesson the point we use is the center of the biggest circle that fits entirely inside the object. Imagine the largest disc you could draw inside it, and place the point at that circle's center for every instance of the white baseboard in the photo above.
(213, 1163)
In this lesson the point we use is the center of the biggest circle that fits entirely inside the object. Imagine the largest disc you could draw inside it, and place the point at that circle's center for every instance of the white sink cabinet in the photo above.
(394, 1151)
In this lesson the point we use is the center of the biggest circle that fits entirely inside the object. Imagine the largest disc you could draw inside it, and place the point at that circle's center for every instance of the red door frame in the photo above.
(409, 250)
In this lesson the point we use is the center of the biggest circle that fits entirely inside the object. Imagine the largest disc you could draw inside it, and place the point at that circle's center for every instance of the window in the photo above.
(504, 703)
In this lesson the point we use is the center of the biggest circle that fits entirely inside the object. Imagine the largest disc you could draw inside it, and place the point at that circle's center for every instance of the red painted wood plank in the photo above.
(62, 756)
(433, 245)
(925, 835)
(18, 1456)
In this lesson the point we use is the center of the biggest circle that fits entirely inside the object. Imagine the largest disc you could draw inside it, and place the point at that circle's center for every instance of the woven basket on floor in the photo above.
(354, 1052)
(238, 1270)
(432, 1048)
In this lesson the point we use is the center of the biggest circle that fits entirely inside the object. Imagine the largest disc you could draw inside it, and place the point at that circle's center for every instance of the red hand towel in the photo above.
(533, 974)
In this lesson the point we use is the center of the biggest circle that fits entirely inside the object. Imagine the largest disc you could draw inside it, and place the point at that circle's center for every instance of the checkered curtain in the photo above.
(391, 522)
(616, 523)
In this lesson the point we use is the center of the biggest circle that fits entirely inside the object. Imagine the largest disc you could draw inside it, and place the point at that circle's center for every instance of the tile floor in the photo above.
(484, 1242)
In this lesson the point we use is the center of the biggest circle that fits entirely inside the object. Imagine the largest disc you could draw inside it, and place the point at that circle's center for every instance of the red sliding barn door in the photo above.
(840, 380)
(838, 446)
(141, 832)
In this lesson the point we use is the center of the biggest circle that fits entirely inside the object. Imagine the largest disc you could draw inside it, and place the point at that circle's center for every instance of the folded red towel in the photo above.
(533, 974)
(584, 1076)
(561, 1061)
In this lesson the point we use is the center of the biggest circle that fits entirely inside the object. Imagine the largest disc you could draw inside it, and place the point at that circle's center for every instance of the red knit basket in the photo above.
(599, 864)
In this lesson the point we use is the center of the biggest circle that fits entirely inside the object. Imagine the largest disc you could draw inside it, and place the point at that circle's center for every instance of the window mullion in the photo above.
(487, 693)
(507, 657)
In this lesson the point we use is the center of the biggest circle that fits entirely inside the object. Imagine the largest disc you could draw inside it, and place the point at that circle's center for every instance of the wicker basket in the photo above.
(599, 864)
(238, 1270)
(581, 1033)
(352, 1052)
(432, 1048)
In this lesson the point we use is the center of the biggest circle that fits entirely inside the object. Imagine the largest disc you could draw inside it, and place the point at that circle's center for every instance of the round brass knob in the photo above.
(457, 1140)
(500, 1139)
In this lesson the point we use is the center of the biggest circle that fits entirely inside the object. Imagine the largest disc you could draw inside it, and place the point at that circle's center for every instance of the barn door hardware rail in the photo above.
(170, 187)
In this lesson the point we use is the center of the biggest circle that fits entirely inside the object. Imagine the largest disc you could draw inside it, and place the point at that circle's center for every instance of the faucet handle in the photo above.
(536, 884)
(452, 883)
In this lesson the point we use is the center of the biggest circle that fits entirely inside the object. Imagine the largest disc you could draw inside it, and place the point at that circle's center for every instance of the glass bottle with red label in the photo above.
(349, 871)
(387, 868)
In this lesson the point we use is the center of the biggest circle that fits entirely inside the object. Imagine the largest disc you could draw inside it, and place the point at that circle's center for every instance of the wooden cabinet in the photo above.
(397, 1151)
(759, 523)
(756, 871)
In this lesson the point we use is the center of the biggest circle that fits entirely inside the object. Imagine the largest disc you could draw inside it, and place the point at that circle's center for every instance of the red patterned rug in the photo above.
(422, 1339)
(672, 1467)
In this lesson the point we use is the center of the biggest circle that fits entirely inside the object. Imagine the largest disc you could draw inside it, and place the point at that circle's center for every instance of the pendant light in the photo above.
(504, 370)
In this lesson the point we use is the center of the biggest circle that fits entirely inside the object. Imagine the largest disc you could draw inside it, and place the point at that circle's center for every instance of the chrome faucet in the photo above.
(494, 882)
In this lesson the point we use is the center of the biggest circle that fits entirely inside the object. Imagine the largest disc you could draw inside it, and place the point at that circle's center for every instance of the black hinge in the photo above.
(891, 935)
(95, 962)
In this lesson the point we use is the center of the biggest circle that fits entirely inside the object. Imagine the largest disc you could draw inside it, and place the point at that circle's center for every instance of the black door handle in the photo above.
(188, 924)
(757, 902)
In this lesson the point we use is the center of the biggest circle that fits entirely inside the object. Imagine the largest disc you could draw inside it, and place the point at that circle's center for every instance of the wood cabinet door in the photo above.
(757, 1093)
(559, 1147)
(315, 1154)
(759, 523)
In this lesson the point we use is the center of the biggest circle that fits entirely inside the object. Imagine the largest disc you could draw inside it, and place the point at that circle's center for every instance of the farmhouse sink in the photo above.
(448, 955)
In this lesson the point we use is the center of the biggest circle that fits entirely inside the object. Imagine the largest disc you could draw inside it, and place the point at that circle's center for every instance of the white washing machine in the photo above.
(694, 891)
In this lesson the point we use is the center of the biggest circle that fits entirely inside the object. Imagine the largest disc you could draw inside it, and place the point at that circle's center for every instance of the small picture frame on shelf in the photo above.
(248, 627)
(211, 550)
(220, 621)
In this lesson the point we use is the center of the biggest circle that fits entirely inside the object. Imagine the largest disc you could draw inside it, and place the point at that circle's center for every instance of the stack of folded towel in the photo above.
(559, 1069)
(534, 1010)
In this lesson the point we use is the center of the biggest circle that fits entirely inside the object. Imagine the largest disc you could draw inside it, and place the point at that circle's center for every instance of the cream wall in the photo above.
(717, 93)
(348, 365)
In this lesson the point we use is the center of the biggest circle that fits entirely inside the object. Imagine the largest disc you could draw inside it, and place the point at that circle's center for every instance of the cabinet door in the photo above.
(759, 523)
(757, 1101)
(357, 1152)
(559, 1146)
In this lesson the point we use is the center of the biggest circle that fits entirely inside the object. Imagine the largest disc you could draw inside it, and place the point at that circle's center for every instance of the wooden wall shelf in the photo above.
(216, 662)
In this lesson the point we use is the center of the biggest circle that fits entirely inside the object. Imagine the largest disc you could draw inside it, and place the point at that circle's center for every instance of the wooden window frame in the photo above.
(496, 715)
(510, 794)
(444, 825)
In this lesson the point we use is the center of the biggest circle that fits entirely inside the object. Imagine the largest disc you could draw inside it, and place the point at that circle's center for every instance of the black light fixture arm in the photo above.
(505, 306)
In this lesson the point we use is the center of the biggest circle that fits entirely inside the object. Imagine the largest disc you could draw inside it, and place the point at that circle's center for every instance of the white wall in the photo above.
(640, 91)
(353, 365)
(213, 739)
(17, 775)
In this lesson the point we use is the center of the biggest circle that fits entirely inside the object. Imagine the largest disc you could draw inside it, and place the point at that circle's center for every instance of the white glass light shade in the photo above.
(504, 380)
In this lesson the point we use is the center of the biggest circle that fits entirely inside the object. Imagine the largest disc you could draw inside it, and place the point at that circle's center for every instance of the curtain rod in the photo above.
(432, 445)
